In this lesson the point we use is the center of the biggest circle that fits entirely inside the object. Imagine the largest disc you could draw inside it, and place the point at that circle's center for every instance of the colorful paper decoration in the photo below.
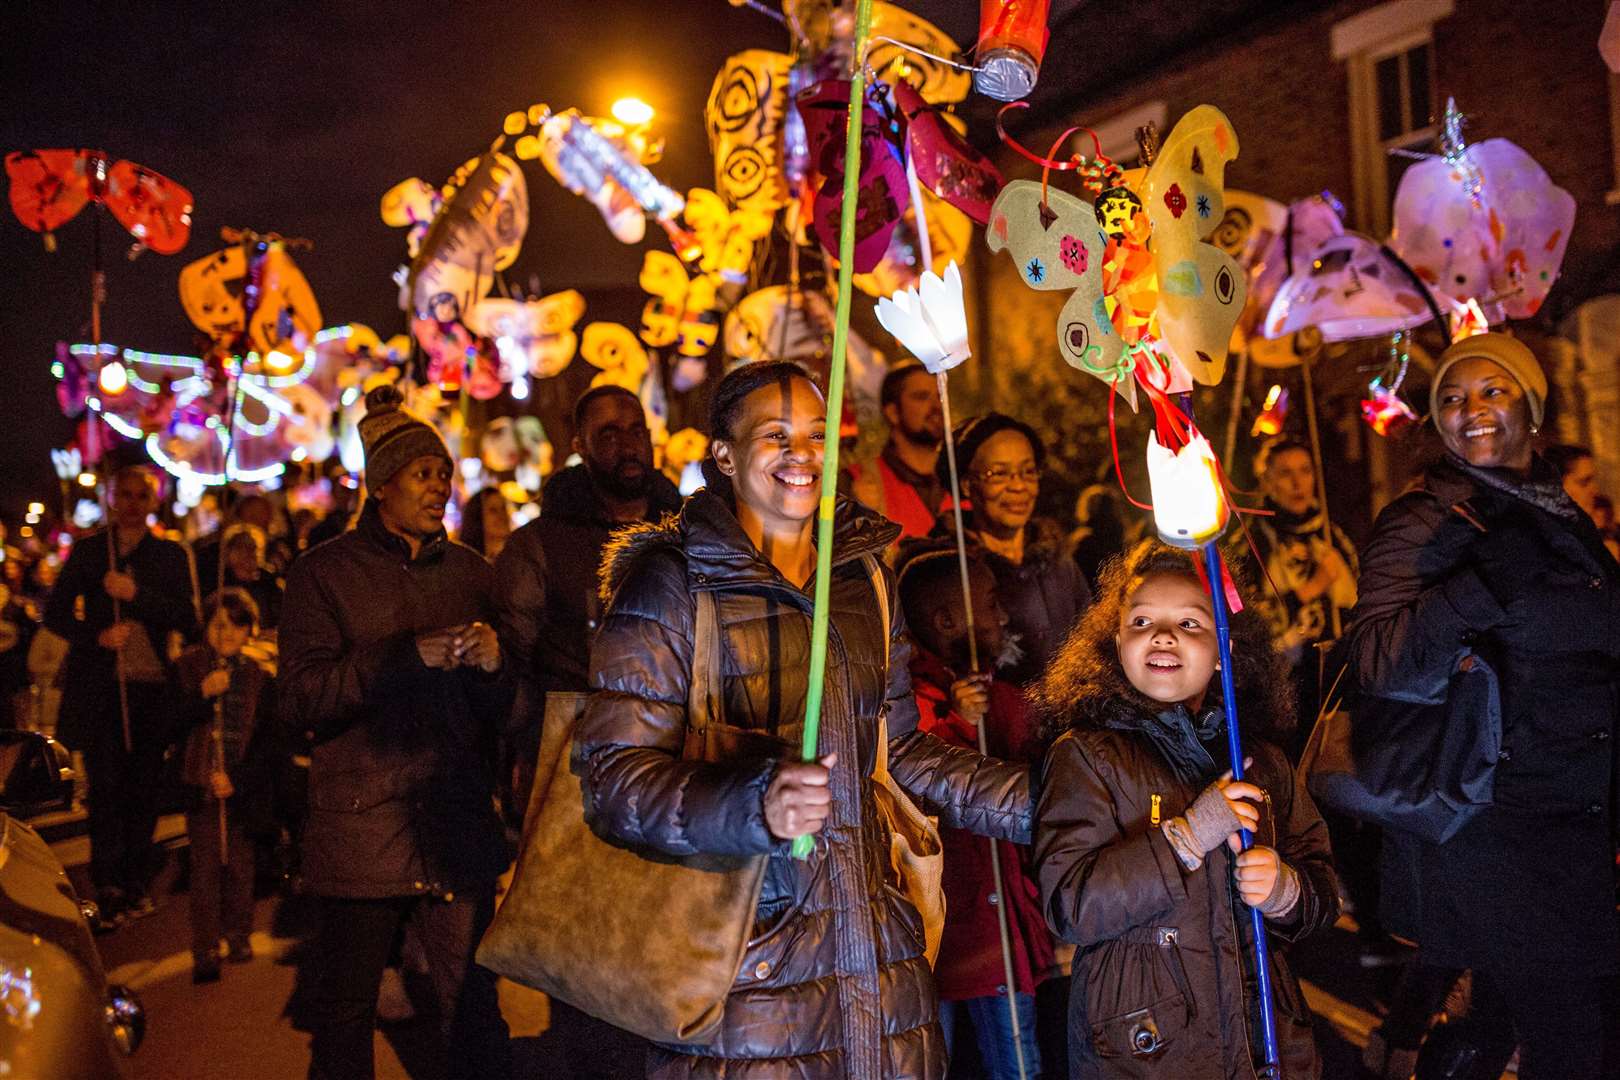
(1150, 298)
(1352, 289)
(614, 349)
(882, 186)
(478, 231)
(946, 164)
(744, 117)
(1058, 245)
(533, 336)
(930, 320)
(286, 318)
(50, 187)
(1484, 223)
(950, 232)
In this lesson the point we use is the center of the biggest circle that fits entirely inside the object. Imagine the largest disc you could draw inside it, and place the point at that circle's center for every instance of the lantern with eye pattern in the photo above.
(744, 117)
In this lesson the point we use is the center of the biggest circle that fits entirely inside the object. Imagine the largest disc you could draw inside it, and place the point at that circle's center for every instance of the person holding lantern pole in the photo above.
(1490, 606)
(834, 982)
(1137, 843)
(118, 623)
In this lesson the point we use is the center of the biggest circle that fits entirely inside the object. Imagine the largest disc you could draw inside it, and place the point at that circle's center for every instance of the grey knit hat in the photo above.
(393, 438)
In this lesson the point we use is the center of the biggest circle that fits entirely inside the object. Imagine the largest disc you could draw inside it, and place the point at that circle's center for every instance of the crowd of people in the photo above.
(371, 693)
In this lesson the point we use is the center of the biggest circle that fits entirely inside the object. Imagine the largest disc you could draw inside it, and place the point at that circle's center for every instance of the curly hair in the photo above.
(1085, 684)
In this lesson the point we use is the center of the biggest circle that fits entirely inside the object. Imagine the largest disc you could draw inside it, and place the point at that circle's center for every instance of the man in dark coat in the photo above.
(118, 624)
(390, 671)
(548, 612)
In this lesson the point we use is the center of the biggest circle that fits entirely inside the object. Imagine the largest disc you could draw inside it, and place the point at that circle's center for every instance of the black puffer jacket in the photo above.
(1458, 566)
(842, 989)
(400, 776)
(1164, 975)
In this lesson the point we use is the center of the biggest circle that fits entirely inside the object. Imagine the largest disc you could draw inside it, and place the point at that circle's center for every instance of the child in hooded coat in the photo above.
(1136, 845)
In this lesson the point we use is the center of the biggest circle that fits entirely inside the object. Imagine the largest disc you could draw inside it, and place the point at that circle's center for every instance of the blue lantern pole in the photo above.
(1234, 742)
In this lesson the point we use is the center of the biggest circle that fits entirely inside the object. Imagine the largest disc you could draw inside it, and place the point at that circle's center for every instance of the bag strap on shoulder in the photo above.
(703, 703)
(874, 571)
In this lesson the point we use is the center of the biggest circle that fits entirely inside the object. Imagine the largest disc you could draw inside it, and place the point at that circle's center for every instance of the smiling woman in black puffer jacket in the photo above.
(1488, 559)
(842, 990)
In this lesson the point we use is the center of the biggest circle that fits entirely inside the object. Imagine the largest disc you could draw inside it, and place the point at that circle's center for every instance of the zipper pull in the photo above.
(1153, 811)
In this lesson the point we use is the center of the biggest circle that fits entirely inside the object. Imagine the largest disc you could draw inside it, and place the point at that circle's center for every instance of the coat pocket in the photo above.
(1138, 995)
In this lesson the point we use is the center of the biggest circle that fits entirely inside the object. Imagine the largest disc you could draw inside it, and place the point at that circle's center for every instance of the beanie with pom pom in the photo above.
(393, 438)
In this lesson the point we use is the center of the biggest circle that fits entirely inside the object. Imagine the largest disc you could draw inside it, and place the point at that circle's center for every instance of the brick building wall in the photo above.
(1528, 73)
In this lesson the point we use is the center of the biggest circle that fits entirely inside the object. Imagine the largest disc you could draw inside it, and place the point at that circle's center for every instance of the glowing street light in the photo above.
(36, 508)
(633, 112)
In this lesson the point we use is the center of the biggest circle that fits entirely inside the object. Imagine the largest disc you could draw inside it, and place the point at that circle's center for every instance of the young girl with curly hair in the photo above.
(1136, 844)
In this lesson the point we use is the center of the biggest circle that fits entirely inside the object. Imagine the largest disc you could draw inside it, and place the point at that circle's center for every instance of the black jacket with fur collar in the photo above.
(842, 988)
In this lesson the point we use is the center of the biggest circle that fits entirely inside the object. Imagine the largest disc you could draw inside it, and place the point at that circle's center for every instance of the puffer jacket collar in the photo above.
(718, 551)
(371, 528)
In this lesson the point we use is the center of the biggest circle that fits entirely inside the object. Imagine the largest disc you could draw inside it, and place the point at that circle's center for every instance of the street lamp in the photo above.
(633, 112)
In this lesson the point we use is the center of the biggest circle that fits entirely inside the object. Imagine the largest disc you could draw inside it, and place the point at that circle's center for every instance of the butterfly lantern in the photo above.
(218, 290)
(533, 337)
(1151, 302)
(50, 187)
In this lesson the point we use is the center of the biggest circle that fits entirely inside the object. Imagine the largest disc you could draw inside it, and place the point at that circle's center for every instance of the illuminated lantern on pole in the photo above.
(1189, 507)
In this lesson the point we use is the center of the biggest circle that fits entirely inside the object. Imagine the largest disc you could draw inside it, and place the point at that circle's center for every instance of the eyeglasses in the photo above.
(999, 476)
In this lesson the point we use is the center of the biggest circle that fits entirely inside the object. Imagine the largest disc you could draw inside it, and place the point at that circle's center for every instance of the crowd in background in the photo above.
(365, 696)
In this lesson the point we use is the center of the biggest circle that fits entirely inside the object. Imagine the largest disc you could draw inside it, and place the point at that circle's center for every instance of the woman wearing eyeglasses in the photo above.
(1038, 583)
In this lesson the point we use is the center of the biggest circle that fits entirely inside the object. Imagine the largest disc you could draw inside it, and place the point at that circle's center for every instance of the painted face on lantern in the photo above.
(744, 116)
(1115, 209)
(1166, 639)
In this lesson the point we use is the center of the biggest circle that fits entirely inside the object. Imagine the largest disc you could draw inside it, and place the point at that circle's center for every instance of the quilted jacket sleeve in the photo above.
(627, 749)
(1095, 882)
(520, 600)
(963, 787)
(1420, 598)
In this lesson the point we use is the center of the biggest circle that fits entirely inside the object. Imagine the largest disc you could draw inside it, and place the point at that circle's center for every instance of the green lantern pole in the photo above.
(835, 397)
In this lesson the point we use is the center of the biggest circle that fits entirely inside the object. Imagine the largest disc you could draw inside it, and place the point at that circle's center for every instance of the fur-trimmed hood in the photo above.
(707, 532)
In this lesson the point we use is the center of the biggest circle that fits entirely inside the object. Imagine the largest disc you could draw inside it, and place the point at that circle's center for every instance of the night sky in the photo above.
(295, 118)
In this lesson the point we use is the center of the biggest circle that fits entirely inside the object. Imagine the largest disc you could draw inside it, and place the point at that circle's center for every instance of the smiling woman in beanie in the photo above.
(391, 673)
(1488, 561)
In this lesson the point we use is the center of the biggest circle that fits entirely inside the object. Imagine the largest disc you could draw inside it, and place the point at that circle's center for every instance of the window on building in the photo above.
(1394, 98)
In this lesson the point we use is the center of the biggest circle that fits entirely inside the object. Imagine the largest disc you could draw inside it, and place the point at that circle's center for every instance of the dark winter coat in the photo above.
(401, 772)
(1043, 596)
(841, 988)
(79, 609)
(1164, 972)
(970, 962)
(1455, 567)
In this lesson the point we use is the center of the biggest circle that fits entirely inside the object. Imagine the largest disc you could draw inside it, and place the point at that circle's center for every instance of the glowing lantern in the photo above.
(1189, 507)
(1272, 414)
(114, 379)
(930, 320)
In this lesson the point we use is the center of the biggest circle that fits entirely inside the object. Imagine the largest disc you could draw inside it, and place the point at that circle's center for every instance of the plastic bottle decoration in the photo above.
(930, 320)
(1012, 42)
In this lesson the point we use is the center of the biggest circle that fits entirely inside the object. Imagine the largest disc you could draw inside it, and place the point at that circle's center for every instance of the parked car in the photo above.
(58, 1016)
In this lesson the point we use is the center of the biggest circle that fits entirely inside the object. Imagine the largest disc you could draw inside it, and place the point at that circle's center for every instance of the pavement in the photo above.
(244, 1025)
